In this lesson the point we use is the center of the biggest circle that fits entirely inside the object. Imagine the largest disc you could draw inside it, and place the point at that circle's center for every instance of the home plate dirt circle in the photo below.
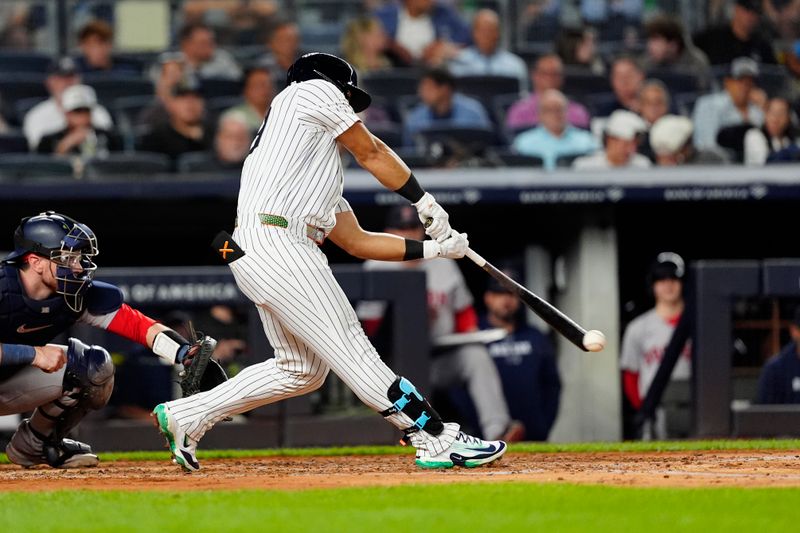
(656, 469)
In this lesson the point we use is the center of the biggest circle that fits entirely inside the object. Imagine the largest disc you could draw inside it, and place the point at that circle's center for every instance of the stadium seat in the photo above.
(22, 106)
(415, 159)
(678, 81)
(13, 143)
(126, 110)
(485, 88)
(565, 161)
(596, 102)
(684, 102)
(23, 61)
(579, 82)
(218, 87)
(221, 103)
(392, 83)
(443, 142)
(109, 88)
(18, 87)
(139, 164)
(322, 37)
(508, 158)
(205, 162)
(772, 78)
(392, 135)
(38, 166)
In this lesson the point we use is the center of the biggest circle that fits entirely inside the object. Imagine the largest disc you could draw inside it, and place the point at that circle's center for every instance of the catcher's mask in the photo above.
(69, 244)
(328, 67)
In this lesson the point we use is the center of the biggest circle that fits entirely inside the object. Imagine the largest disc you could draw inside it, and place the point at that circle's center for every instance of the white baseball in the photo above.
(594, 340)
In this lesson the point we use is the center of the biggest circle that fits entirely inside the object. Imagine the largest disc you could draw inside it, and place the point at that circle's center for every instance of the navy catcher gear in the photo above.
(89, 368)
(319, 66)
(65, 241)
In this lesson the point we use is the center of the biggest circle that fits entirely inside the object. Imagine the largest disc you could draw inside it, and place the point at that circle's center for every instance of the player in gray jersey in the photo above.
(290, 200)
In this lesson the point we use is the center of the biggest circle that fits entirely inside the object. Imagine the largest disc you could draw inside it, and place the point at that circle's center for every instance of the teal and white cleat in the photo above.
(466, 451)
(182, 448)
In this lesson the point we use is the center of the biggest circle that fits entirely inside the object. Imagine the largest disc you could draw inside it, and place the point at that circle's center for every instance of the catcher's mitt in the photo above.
(201, 372)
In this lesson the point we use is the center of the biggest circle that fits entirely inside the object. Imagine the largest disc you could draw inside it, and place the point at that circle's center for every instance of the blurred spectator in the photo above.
(185, 131)
(740, 37)
(547, 73)
(442, 106)
(647, 336)
(668, 47)
(169, 73)
(450, 310)
(554, 137)
(364, 45)
(578, 48)
(525, 361)
(423, 31)
(48, 116)
(485, 57)
(257, 95)
(599, 11)
(283, 44)
(232, 140)
(654, 103)
(627, 79)
(96, 43)
(79, 137)
(236, 22)
(779, 382)
(620, 140)
(671, 140)
(732, 106)
(14, 25)
(779, 134)
(201, 55)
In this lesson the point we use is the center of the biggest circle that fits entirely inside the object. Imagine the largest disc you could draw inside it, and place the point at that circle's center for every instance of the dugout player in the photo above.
(290, 200)
(46, 286)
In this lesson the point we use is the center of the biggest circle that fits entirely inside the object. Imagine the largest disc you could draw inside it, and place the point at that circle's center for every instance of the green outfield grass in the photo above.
(528, 447)
(473, 508)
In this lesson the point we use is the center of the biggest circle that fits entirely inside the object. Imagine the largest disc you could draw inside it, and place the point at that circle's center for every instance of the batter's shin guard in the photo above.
(408, 401)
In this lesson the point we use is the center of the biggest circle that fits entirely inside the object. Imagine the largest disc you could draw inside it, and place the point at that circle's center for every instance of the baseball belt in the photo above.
(312, 232)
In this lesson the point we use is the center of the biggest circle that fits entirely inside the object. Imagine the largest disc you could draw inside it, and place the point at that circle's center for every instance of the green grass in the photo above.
(529, 447)
(474, 507)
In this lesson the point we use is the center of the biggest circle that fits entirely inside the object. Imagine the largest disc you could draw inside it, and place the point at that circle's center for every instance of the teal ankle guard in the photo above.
(410, 402)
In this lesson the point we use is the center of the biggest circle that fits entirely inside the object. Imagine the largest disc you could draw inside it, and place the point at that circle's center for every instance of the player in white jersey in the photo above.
(647, 336)
(290, 200)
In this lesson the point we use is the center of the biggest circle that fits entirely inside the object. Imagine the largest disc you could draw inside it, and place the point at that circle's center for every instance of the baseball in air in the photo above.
(594, 340)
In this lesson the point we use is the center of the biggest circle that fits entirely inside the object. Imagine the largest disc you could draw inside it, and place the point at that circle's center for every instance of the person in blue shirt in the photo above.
(780, 378)
(554, 137)
(442, 106)
(525, 361)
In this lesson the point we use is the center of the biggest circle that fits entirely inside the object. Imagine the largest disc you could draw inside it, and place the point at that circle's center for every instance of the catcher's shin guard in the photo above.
(407, 400)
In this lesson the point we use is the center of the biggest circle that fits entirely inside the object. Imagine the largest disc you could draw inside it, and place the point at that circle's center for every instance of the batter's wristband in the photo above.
(411, 190)
(414, 250)
(17, 354)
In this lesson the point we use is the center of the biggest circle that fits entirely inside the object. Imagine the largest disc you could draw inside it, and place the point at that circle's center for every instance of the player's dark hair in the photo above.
(440, 76)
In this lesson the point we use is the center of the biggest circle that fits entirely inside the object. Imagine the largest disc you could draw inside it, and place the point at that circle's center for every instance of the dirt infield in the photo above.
(673, 469)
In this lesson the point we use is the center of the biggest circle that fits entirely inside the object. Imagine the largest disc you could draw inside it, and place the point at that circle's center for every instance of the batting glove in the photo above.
(453, 247)
(433, 217)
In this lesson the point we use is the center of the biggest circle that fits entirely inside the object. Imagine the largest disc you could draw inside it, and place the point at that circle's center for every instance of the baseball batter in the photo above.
(46, 286)
(290, 200)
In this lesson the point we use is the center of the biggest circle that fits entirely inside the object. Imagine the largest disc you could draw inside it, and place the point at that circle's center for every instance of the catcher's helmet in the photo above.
(65, 241)
(668, 265)
(319, 66)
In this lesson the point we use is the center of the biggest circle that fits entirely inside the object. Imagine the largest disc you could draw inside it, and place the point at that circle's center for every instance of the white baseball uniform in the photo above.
(291, 190)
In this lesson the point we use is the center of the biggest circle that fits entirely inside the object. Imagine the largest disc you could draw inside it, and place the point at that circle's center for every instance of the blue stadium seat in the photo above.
(392, 135)
(34, 166)
(579, 82)
(508, 158)
(111, 87)
(565, 161)
(772, 78)
(23, 61)
(393, 83)
(205, 162)
(472, 141)
(17, 87)
(13, 143)
(678, 81)
(684, 102)
(22, 106)
(141, 165)
(485, 88)
(217, 87)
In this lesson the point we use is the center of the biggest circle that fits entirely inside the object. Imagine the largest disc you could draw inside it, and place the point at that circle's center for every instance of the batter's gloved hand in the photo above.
(433, 217)
(453, 247)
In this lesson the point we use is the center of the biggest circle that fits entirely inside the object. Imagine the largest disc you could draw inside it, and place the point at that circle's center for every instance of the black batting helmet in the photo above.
(319, 66)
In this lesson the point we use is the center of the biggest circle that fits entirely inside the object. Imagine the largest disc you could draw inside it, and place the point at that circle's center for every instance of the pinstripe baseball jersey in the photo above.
(294, 168)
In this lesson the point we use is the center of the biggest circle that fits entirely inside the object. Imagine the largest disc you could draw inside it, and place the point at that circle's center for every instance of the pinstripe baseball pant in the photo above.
(311, 326)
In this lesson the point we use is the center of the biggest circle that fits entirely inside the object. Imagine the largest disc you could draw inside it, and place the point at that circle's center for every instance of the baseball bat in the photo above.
(557, 320)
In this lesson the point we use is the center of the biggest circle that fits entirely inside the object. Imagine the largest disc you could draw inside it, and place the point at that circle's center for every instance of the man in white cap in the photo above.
(620, 141)
(740, 102)
(48, 116)
(80, 136)
(671, 140)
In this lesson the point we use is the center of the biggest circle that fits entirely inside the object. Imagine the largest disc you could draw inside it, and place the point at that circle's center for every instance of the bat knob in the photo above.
(428, 223)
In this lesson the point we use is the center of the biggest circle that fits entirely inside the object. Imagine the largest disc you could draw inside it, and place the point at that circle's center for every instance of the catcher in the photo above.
(46, 286)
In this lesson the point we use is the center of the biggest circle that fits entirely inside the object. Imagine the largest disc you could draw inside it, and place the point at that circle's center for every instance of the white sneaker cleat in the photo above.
(180, 445)
(466, 451)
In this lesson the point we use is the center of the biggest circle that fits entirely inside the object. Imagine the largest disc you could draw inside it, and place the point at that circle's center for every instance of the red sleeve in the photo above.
(131, 324)
(466, 320)
(630, 384)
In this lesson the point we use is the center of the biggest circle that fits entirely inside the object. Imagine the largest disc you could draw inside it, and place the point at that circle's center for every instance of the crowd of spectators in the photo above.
(431, 66)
